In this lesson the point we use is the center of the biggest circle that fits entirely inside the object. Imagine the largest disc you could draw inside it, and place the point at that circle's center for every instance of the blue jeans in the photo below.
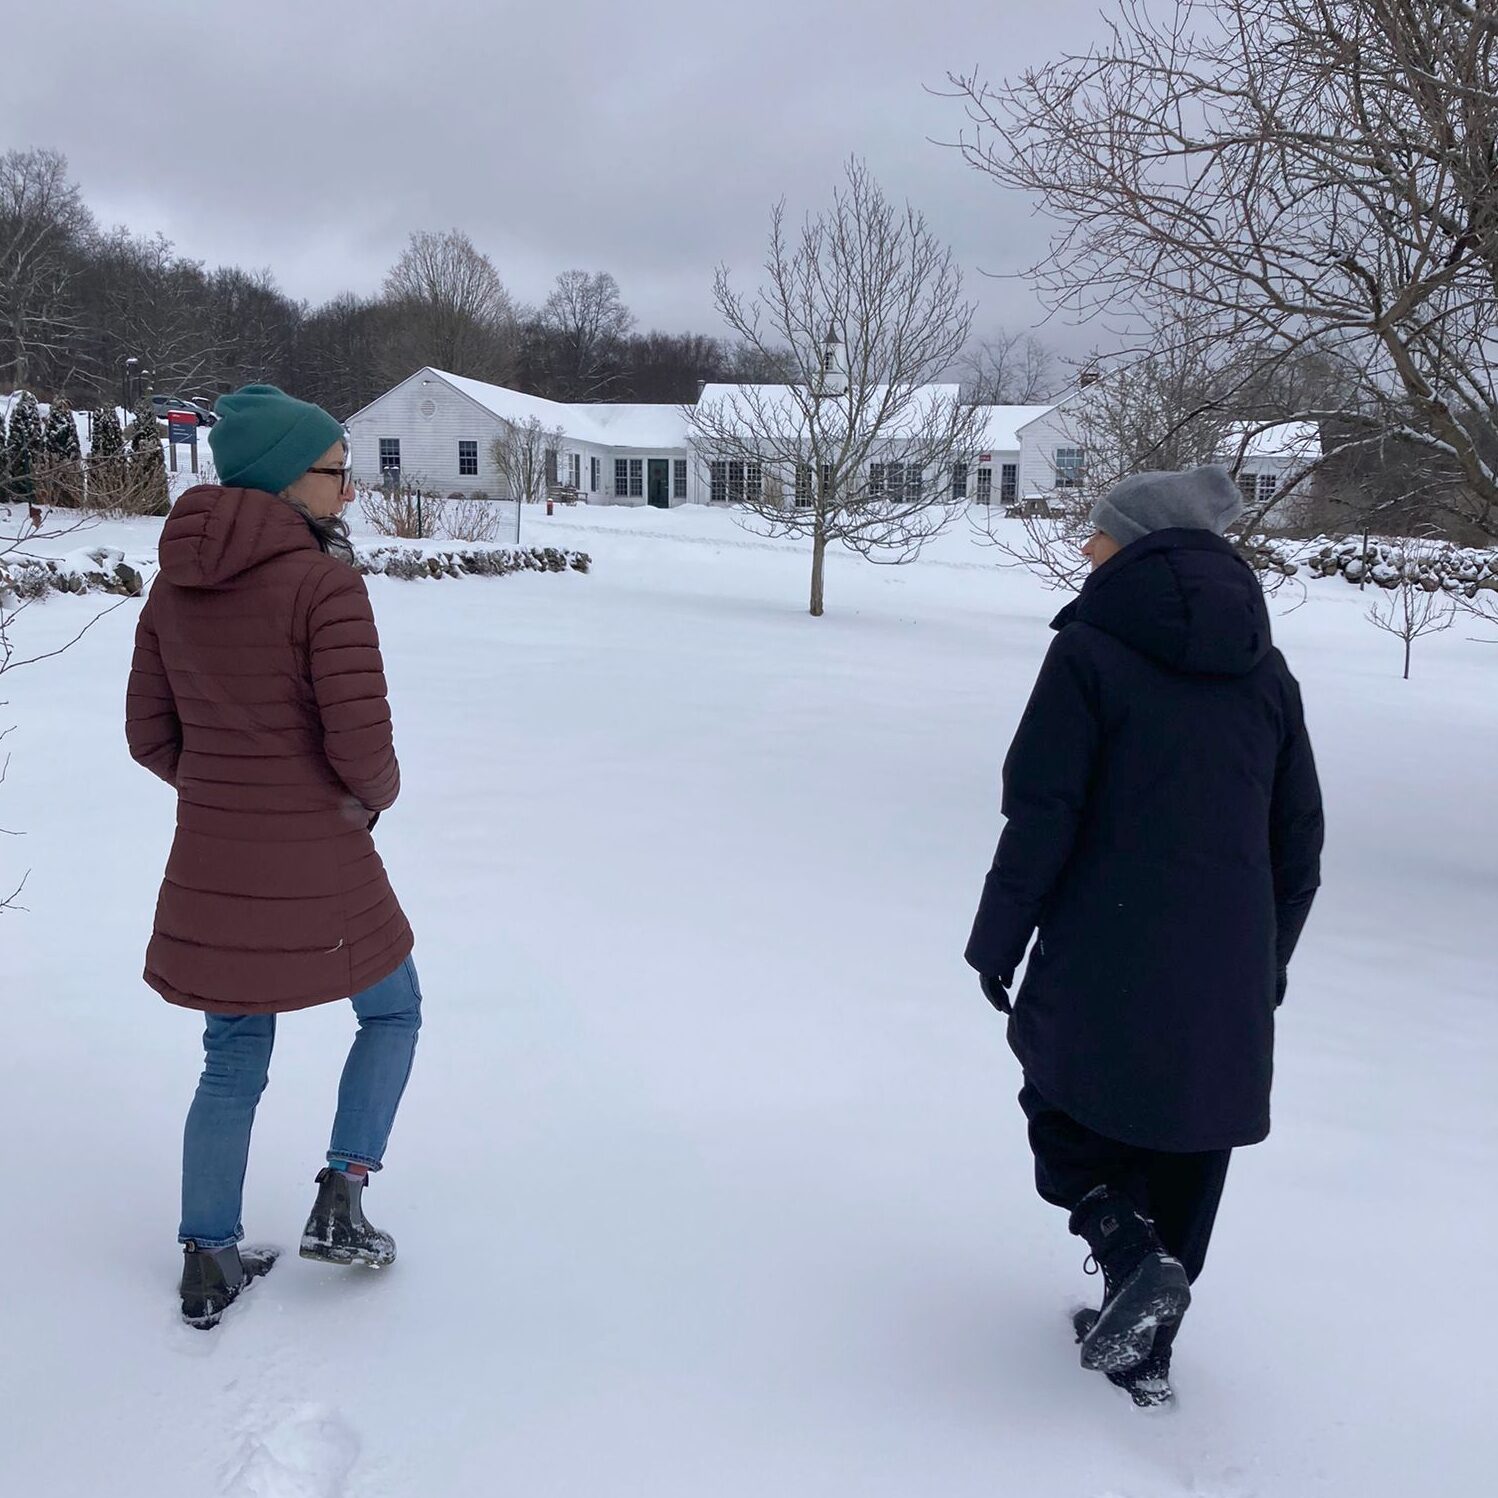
(236, 1066)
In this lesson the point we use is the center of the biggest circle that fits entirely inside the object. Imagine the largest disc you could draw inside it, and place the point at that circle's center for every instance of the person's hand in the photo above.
(996, 991)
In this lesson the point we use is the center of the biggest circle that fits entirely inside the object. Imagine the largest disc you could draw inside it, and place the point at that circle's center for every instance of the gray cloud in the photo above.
(650, 139)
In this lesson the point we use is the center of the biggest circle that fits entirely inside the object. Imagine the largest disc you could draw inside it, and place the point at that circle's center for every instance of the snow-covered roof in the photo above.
(1001, 425)
(605, 423)
(1290, 441)
(787, 404)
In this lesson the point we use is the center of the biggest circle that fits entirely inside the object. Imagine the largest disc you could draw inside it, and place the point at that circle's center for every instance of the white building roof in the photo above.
(1001, 426)
(601, 422)
(1290, 441)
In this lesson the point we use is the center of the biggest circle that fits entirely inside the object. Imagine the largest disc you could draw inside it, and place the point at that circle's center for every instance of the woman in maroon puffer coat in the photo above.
(257, 691)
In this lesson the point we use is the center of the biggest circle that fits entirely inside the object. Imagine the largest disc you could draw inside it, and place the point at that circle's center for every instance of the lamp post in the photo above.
(131, 365)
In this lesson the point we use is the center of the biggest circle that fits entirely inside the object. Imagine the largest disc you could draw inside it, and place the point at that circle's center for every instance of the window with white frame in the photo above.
(1008, 483)
(621, 478)
(1266, 488)
(636, 478)
(876, 478)
(468, 459)
(985, 485)
(575, 470)
(828, 486)
(959, 481)
(1069, 467)
(803, 486)
(390, 454)
(593, 475)
(679, 479)
(733, 482)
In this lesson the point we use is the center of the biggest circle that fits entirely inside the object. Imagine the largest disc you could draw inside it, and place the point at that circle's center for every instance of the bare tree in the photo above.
(525, 453)
(586, 322)
(452, 308)
(1010, 369)
(42, 221)
(865, 305)
(1295, 174)
(1414, 603)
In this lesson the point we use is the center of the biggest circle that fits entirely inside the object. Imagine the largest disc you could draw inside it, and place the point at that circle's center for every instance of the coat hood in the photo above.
(215, 535)
(1184, 598)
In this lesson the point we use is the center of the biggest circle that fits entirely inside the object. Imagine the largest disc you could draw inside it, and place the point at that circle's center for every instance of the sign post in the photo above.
(182, 426)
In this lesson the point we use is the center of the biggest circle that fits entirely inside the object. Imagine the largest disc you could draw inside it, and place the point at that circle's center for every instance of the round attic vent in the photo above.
(429, 407)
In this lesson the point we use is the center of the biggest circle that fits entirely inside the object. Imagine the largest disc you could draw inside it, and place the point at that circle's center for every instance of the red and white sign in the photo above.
(182, 426)
(985, 457)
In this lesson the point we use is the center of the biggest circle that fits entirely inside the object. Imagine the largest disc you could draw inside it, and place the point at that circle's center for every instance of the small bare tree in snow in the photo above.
(405, 505)
(865, 304)
(1414, 603)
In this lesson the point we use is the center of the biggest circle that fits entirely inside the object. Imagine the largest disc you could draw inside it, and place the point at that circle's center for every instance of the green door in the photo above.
(659, 490)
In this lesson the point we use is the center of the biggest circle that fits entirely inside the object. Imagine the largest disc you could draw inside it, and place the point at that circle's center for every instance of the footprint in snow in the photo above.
(305, 1451)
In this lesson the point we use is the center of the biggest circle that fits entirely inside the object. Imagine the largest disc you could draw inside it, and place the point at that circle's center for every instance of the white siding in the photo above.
(429, 419)
(1038, 444)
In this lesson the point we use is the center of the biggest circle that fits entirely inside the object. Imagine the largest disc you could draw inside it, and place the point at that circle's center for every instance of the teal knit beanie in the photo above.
(266, 439)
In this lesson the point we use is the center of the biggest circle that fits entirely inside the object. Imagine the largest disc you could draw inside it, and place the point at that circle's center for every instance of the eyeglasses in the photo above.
(345, 473)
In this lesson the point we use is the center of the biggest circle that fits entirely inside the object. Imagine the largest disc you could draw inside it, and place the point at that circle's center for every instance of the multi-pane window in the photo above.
(390, 454)
(985, 485)
(629, 478)
(1068, 467)
(1267, 486)
(827, 483)
(803, 486)
(876, 478)
(733, 482)
(679, 479)
(1009, 484)
(575, 470)
(468, 459)
(900, 482)
(959, 481)
(593, 475)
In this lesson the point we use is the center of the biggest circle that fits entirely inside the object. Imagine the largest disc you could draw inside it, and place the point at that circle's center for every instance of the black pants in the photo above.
(1180, 1192)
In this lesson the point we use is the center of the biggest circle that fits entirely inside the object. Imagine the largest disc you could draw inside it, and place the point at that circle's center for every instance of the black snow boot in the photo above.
(1146, 1383)
(213, 1279)
(337, 1232)
(1144, 1289)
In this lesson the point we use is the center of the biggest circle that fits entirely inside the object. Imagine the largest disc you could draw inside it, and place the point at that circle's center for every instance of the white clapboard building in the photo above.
(439, 429)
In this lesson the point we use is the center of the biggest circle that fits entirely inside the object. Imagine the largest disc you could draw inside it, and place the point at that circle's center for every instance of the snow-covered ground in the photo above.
(710, 1182)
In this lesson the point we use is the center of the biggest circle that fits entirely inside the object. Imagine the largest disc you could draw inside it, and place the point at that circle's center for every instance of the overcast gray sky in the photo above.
(648, 138)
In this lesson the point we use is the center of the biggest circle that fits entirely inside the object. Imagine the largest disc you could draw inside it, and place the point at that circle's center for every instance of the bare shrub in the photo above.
(408, 509)
(472, 519)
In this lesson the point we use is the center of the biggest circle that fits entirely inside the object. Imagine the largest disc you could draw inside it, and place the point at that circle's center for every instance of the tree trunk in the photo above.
(818, 558)
(1407, 643)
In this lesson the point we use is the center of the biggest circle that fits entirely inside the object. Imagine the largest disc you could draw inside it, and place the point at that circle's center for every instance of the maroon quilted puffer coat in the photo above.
(257, 690)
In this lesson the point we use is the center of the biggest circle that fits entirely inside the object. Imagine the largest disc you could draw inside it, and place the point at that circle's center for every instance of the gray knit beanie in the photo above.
(1204, 499)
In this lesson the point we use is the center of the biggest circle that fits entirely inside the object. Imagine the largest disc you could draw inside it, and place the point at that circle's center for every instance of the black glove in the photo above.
(996, 991)
(374, 817)
(1281, 980)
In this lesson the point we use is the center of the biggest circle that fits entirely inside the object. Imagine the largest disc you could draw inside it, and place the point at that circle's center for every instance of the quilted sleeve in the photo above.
(348, 677)
(152, 728)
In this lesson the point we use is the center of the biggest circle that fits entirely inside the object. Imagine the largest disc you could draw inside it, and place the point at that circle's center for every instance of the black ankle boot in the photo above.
(338, 1232)
(1144, 1289)
(214, 1278)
